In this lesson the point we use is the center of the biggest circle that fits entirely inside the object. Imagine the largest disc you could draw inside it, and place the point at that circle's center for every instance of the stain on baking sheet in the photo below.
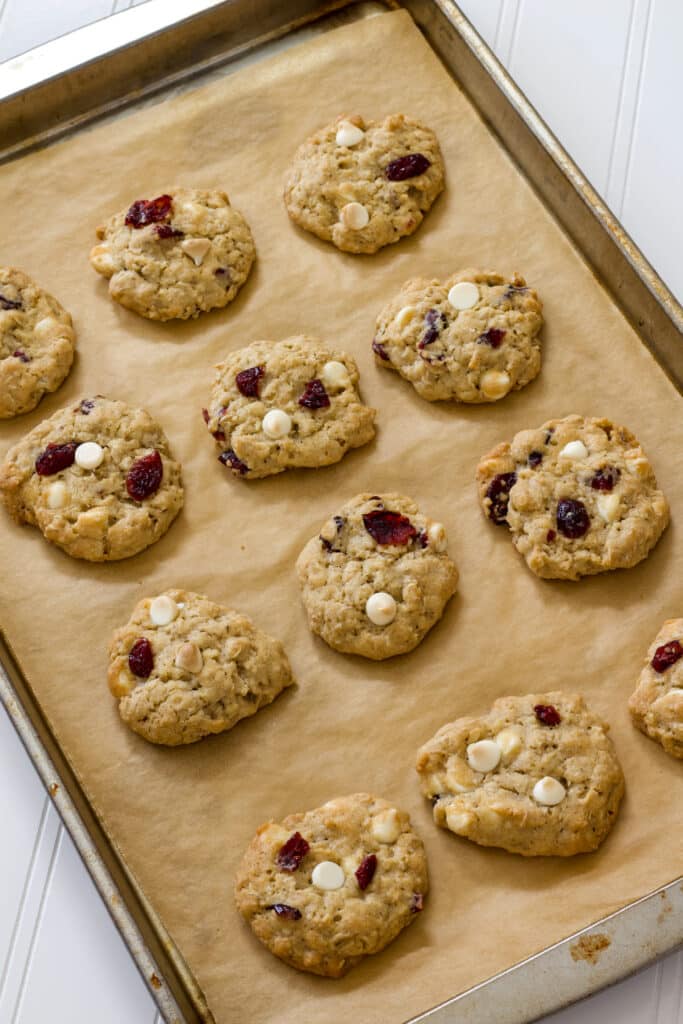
(156, 982)
(589, 948)
(54, 789)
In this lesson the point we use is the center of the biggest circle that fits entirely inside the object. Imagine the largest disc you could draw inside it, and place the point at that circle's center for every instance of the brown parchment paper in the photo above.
(181, 818)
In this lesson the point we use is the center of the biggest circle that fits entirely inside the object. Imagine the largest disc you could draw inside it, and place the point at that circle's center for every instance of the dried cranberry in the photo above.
(284, 910)
(315, 396)
(422, 539)
(389, 527)
(292, 852)
(365, 871)
(144, 476)
(380, 351)
(21, 355)
(493, 337)
(572, 518)
(407, 167)
(149, 211)
(498, 494)
(435, 322)
(249, 381)
(55, 458)
(547, 714)
(417, 903)
(205, 415)
(605, 478)
(6, 303)
(228, 458)
(166, 231)
(535, 459)
(666, 656)
(141, 658)
(86, 406)
(550, 536)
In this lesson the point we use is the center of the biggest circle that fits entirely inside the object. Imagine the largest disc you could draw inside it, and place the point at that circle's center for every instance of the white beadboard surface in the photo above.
(607, 76)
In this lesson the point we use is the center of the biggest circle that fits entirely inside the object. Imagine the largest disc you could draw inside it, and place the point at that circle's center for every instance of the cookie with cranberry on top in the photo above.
(325, 888)
(656, 705)
(377, 576)
(579, 495)
(98, 480)
(537, 775)
(473, 337)
(176, 255)
(365, 184)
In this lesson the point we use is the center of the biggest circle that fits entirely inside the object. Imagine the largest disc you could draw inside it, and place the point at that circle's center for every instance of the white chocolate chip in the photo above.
(189, 658)
(276, 424)
(335, 375)
(354, 216)
(549, 792)
(405, 315)
(436, 536)
(348, 134)
(93, 522)
(386, 828)
(45, 327)
(574, 450)
(510, 741)
(163, 610)
(380, 608)
(495, 384)
(608, 507)
(458, 821)
(463, 295)
(89, 455)
(196, 249)
(327, 875)
(484, 755)
(57, 495)
(102, 260)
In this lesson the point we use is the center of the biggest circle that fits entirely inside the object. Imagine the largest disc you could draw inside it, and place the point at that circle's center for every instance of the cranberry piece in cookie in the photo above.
(409, 166)
(572, 518)
(365, 872)
(55, 458)
(141, 658)
(249, 381)
(389, 527)
(315, 396)
(497, 496)
(149, 211)
(292, 852)
(145, 476)
(666, 656)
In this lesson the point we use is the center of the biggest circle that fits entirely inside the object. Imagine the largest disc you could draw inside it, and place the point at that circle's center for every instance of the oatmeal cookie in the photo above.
(325, 888)
(183, 668)
(377, 577)
(278, 405)
(537, 775)
(36, 343)
(656, 705)
(579, 496)
(471, 338)
(364, 184)
(175, 256)
(96, 478)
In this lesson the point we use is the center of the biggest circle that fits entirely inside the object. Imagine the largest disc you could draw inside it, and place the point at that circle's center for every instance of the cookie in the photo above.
(656, 705)
(325, 888)
(365, 184)
(377, 577)
(97, 479)
(36, 343)
(278, 405)
(579, 496)
(471, 338)
(183, 668)
(537, 775)
(175, 256)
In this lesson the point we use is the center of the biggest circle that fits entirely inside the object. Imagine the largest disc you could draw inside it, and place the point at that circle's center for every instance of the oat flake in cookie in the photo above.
(656, 705)
(327, 887)
(377, 577)
(537, 775)
(278, 405)
(578, 494)
(473, 337)
(97, 479)
(183, 668)
(176, 255)
(36, 343)
(364, 184)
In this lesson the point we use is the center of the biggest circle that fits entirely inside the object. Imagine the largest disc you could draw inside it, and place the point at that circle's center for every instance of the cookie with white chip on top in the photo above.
(184, 667)
(325, 888)
(537, 775)
(656, 705)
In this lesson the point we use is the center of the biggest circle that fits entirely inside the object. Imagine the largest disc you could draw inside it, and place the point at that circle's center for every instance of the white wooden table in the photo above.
(608, 77)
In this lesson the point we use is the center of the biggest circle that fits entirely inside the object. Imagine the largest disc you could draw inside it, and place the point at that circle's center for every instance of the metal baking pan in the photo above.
(165, 46)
